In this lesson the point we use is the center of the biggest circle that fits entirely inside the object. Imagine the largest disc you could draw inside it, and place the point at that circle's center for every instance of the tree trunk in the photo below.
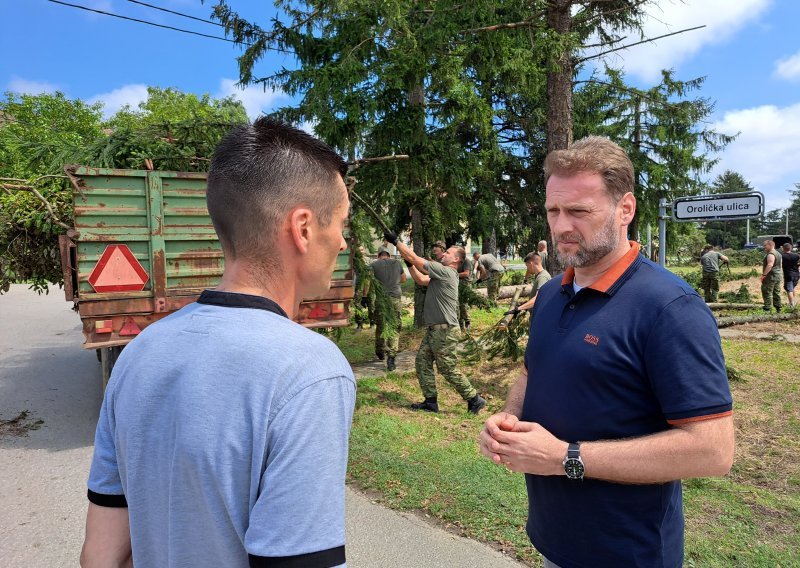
(559, 81)
(489, 244)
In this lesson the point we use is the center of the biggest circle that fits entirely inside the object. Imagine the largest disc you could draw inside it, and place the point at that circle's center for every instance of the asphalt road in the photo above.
(45, 372)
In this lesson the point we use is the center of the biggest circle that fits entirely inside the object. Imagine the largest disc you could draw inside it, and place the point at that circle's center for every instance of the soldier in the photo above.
(541, 248)
(533, 263)
(710, 260)
(389, 272)
(441, 321)
(491, 271)
(771, 277)
(465, 281)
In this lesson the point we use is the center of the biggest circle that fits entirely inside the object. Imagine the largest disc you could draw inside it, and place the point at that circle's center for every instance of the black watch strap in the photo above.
(574, 450)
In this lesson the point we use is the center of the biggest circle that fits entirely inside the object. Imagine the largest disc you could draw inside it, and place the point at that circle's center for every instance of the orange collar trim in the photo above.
(611, 275)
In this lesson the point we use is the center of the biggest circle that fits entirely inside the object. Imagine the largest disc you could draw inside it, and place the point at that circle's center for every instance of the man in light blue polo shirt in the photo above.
(222, 439)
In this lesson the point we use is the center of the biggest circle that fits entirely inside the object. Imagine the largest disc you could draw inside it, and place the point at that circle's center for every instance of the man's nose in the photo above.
(560, 223)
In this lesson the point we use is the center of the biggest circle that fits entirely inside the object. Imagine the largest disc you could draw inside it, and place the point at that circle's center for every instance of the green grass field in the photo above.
(430, 463)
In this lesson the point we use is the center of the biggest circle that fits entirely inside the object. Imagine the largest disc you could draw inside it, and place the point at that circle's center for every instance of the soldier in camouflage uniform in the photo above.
(389, 272)
(490, 270)
(441, 323)
(465, 282)
(772, 277)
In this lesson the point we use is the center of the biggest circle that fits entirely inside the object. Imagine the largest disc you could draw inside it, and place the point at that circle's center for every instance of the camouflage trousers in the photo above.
(771, 292)
(493, 286)
(710, 285)
(388, 346)
(439, 345)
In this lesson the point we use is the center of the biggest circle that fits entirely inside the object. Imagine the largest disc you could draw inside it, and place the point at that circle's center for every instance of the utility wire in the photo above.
(141, 21)
(176, 13)
(164, 26)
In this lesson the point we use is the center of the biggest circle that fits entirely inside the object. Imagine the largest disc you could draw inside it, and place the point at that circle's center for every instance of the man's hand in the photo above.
(495, 423)
(526, 448)
(763, 277)
(390, 237)
(512, 312)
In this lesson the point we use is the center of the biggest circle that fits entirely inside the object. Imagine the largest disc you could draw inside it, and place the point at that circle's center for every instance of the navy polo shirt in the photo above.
(630, 355)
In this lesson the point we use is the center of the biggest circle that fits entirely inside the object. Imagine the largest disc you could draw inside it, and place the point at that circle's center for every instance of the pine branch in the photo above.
(29, 186)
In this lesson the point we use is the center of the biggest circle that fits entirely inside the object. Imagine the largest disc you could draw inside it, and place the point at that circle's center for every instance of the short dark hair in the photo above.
(531, 255)
(594, 155)
(382, 252)
(258, 173)
(441, 245)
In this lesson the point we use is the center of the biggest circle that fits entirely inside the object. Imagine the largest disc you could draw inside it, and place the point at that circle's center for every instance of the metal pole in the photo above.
(649, 241)
(662, 231)
(747, 240)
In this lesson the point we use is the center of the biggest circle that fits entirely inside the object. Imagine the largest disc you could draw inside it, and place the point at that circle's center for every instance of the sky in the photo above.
(748, 52)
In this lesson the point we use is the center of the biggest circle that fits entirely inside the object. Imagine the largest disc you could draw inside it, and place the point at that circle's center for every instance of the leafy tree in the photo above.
(39, 134)
(728, 234)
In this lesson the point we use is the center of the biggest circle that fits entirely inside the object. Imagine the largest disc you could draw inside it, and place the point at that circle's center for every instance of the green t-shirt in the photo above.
(710, 261)
(441, 299)
(490, 263)
(777, 267)
(468, 266)
(388, 272)
(538, 282)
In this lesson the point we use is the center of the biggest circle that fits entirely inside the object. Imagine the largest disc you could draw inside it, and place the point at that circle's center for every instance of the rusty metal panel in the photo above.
(163, 219)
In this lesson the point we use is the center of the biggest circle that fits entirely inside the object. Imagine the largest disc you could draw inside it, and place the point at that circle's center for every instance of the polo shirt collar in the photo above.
(611, 278)
(236, 300)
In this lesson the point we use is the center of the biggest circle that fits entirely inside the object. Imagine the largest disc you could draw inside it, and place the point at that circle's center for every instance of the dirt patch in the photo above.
(20, 426)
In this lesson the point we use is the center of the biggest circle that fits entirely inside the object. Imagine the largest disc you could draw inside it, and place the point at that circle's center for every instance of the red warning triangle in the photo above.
(117, 270)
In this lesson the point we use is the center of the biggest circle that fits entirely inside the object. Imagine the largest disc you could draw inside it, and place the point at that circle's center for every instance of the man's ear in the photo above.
(300, 228)
(627, 208)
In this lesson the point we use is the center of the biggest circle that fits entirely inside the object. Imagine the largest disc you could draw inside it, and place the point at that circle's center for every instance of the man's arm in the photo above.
(724, 258)
(768, 268)
(108, 538)
(695, 449)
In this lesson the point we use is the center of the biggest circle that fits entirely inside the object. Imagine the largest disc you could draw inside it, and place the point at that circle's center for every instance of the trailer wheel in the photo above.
(108, 356)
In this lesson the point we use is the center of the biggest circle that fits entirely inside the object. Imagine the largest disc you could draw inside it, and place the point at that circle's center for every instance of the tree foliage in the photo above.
(39, 134)
(476, 93)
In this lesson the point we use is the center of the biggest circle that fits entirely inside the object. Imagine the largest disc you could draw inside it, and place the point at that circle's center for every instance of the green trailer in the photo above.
(143, 246)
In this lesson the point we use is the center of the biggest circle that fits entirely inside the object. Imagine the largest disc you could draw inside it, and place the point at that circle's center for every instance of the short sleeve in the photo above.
(300, 509)
(105, 484)
(435, 269)
(685, 364)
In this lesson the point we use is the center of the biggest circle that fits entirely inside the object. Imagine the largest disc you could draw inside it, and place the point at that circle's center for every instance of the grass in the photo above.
(430, 463)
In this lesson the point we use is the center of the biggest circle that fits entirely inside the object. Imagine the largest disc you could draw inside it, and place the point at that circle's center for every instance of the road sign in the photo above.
(721, 207)
(117, 270)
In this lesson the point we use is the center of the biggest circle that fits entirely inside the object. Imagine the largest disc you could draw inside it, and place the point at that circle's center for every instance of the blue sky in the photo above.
(749, 53)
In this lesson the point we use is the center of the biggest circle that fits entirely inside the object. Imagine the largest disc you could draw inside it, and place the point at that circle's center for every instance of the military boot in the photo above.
(429, 405)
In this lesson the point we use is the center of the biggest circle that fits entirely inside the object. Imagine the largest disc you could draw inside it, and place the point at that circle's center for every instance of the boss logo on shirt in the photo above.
(591, 339)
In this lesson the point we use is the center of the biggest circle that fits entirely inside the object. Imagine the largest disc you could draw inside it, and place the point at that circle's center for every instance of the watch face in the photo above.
(573, 467)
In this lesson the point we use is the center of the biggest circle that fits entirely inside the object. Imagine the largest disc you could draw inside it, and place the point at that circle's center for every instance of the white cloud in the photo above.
(26, 87)
(766, 151)
(114, 100)
(788, 68)
(255, 99)
(723, 19)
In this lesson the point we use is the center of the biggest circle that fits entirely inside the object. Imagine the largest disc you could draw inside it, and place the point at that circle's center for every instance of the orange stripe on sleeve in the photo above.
(699, 418)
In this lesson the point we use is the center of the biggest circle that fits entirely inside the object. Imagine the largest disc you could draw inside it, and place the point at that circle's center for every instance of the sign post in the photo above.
(719, 207)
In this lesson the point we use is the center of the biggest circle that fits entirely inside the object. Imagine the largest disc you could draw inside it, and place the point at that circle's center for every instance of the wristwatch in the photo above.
(573, 464)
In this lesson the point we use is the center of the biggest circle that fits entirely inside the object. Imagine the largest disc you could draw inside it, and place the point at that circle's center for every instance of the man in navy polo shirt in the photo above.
(624, 391)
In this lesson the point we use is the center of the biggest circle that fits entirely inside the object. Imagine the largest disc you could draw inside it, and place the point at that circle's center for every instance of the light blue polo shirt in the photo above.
(224, 430)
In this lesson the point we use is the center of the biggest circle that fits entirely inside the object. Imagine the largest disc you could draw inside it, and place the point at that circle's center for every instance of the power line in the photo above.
(143, 21)
(176, 13)
(149, 23)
